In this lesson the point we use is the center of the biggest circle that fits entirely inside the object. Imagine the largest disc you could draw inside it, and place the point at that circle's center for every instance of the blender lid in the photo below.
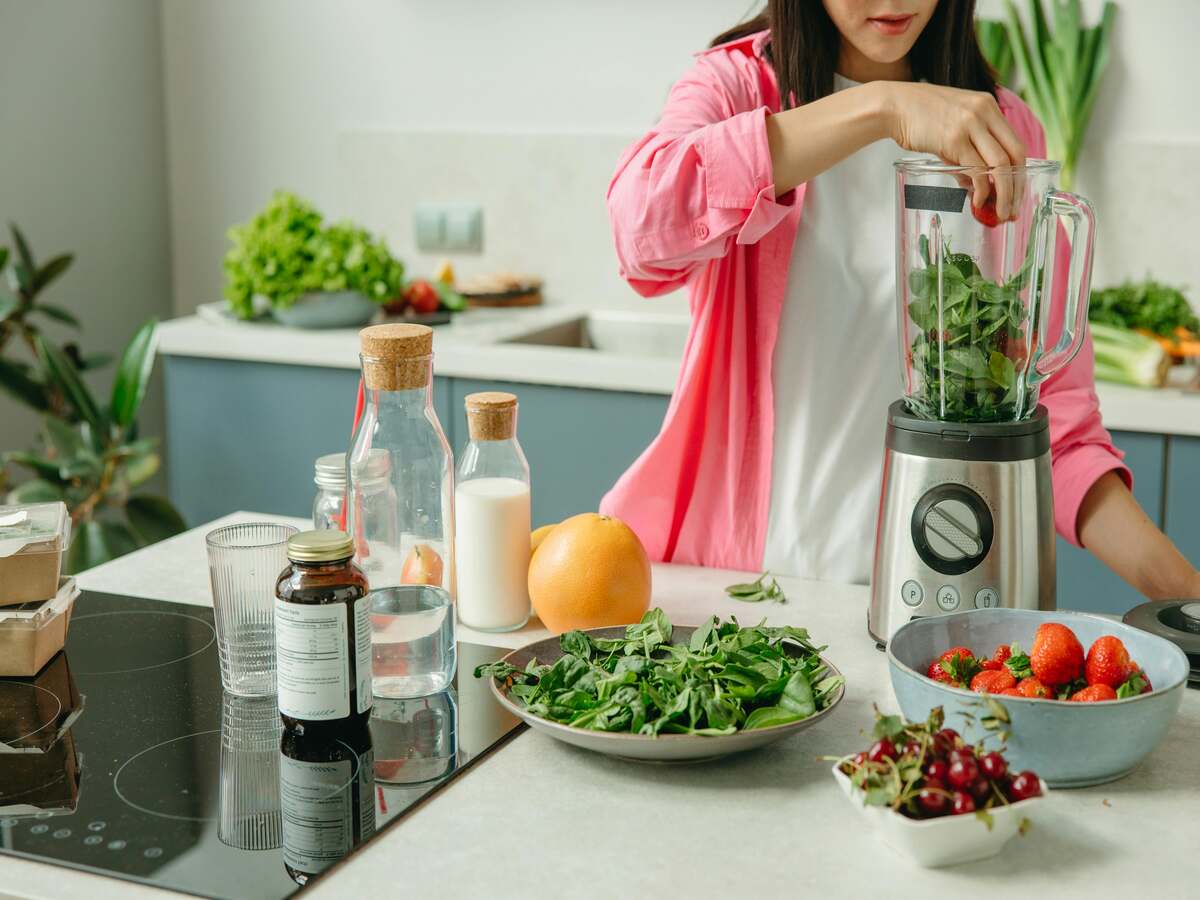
(1172, 620)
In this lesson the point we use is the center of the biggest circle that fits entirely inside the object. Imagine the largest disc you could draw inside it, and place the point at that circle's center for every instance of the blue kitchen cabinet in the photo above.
(1183, 496)
(578, 441)
(244, 435)
(1085, 583)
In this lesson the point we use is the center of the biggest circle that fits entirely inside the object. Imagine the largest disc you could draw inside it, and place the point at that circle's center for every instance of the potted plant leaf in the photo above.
(89, 454)
(305, 273)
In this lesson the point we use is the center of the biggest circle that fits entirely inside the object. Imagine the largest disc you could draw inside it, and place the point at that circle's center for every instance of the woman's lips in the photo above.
(891, 25)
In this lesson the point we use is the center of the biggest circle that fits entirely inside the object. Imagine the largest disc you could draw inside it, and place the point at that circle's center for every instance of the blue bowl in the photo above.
(1067, 744)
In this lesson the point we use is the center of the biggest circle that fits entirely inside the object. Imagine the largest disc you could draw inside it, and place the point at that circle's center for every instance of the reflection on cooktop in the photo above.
(189, 789)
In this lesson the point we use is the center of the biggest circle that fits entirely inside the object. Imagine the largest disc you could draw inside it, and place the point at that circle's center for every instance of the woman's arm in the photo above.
(1113, 527)
(962, 127)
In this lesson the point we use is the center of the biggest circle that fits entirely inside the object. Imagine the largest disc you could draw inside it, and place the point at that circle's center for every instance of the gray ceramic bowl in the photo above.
(332, 309)
(666, 748)
(1067, 744)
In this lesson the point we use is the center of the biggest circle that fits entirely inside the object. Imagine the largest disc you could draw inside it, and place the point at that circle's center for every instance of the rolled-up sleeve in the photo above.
(699, 181)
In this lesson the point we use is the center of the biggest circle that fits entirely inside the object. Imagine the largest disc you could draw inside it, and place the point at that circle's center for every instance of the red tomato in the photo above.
(422, 297)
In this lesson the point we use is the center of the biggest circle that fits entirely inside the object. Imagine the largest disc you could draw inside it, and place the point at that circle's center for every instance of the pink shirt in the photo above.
(692, 205)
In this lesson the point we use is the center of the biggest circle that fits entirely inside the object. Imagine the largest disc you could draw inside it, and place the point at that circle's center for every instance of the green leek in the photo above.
(1128, 357)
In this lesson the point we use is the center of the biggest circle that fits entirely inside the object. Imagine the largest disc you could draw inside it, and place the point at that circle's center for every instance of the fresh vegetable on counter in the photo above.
(1129, 357)
(758, 590)
(287, 251)
(1147, 305)
(726, 678)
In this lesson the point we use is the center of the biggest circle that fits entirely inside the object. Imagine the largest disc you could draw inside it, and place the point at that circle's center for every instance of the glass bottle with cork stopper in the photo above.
(414, 542)
(322, 635)
(492, 503)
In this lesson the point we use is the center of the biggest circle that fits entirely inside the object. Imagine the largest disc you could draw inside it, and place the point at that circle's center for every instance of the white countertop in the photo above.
(473, 347)
(539, 818)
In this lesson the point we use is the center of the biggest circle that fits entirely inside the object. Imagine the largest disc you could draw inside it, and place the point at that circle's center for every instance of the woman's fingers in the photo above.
(993, 155)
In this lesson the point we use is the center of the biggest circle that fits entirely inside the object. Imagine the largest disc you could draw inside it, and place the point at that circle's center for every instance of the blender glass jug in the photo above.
(978, 330)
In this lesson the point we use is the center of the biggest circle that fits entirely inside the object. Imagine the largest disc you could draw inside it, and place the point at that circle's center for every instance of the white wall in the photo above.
(276, 93)
(83, 168)
(260, 94)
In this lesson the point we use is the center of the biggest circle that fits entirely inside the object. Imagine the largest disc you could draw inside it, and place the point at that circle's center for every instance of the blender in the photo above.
(966, 515)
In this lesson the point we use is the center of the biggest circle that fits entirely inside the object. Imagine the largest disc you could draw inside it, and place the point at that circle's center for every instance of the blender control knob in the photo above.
(952, 529)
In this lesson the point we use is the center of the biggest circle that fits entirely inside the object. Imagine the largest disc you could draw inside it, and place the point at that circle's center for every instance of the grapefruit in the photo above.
(538, 535)
(589, 571)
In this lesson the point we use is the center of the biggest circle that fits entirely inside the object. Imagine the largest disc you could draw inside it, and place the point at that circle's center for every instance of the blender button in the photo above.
(912, 593)
(986, 598)
(947, 597)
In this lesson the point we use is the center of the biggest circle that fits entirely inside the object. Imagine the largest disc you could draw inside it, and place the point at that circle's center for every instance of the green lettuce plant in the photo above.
(287, 251)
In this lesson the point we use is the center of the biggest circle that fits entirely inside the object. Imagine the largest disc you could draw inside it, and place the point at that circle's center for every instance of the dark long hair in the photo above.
(805, 43)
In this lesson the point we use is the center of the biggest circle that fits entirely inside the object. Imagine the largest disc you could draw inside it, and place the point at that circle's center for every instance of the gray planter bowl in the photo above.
(332, 309)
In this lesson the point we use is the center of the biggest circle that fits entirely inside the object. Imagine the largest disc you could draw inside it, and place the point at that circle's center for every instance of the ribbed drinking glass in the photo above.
(244, 562)
(249, 797)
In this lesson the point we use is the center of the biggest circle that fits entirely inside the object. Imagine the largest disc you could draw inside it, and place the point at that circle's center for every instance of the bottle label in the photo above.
(315, 802)
(362, 651)
(312, 655)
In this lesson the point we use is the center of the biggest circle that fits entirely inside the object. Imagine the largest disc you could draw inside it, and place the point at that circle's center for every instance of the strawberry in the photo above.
(937, 673)
(1011, 692)
(1094, 693)
(986, 214)
(992, 681)
(990, 665)
(1107, 662)
(1057, 655)
(1002, 654)
(1031, 687)
(1137, 683)
(957, 666)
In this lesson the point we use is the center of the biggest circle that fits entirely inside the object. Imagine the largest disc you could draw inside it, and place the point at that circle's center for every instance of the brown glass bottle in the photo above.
(322, 636)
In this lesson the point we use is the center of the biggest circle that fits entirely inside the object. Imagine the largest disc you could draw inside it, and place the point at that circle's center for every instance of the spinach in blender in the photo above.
(968, 362)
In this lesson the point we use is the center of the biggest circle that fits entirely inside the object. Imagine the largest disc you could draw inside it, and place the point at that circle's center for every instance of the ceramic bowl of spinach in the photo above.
(662, 693)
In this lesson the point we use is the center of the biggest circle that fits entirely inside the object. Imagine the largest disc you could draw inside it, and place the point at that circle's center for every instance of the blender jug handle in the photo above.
(1063, 205)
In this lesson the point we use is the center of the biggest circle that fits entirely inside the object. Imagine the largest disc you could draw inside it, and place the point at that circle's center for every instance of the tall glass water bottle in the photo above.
(414, 544)
(491, 499)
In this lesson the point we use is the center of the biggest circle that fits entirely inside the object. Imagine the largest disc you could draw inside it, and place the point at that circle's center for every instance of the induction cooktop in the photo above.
(124, 757)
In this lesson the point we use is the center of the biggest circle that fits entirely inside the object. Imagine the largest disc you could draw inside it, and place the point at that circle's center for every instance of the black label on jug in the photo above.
(938, 199)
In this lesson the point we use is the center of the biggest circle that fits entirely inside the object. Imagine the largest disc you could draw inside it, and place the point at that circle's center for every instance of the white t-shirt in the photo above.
(836, 369)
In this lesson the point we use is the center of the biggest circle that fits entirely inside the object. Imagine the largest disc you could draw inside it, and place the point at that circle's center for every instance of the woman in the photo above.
(778, 219)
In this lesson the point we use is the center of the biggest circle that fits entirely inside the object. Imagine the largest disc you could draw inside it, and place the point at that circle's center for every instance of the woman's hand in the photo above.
(964, 128)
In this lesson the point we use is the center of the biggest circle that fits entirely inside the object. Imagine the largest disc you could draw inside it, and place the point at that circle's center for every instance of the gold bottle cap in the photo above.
(327, 545)
(396, 357)
(491, 415)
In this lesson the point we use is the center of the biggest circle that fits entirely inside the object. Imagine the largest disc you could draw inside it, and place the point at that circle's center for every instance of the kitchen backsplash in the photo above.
(542, 197)
(543, 201)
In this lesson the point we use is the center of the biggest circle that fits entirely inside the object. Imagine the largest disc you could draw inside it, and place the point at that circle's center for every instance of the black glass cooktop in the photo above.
(124, 757)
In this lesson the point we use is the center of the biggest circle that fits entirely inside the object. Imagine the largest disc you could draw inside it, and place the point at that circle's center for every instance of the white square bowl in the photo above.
(945, 840)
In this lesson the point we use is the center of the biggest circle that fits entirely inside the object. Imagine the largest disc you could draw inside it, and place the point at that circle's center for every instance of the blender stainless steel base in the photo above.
(966, 519)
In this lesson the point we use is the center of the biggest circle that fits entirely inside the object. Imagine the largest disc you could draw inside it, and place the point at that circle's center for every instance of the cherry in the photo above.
(859, 758)
(963, 773)
(946, 740)
(1024, 786)
(993, 765)
(981, 789)
(933, 802)
(913, 749)
(936, 770)
(963, 803)
(882, 749)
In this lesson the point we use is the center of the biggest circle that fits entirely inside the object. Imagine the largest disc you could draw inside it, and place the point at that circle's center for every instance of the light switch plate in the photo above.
(464, 228)
(429, 224)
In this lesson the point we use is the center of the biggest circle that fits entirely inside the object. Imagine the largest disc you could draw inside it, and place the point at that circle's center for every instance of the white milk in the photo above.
(492, 552)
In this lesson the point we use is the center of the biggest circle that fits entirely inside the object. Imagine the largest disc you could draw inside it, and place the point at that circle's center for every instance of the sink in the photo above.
(623, 333)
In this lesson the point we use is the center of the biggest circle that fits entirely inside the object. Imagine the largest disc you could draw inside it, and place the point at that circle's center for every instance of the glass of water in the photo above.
(413, 653)
(244, 561)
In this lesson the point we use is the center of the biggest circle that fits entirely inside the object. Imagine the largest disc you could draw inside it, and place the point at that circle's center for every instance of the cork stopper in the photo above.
(396, 357)
(491, 416)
